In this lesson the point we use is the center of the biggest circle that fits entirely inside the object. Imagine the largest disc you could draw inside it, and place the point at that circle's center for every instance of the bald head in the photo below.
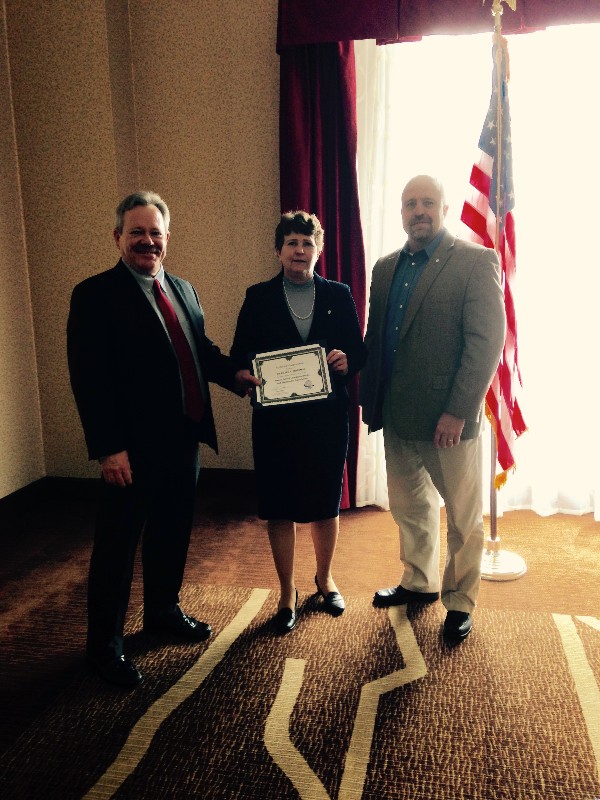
(424, 209)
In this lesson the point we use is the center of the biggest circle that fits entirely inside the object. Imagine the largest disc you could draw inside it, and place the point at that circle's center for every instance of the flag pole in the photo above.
(497, 564)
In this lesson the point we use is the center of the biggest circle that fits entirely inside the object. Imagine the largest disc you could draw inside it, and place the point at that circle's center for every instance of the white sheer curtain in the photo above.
(420, 110)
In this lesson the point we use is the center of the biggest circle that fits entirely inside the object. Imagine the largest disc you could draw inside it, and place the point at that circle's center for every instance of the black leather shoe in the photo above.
(174, 621)
(399, 596)
(333, 602)
(458, 626)
(117, 670)
(285, 619)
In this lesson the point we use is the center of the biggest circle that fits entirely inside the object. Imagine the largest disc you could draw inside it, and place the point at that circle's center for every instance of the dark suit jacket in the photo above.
(265, 323)
(448, 347)
(123, 369)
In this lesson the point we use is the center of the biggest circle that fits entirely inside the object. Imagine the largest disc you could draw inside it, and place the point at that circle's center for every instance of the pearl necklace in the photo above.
(287, 300)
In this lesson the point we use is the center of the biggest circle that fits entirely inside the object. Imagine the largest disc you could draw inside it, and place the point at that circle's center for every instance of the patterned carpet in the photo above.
(370, 705)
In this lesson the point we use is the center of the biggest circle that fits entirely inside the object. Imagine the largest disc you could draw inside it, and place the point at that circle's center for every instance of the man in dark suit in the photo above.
(435, 335)
(140, 362)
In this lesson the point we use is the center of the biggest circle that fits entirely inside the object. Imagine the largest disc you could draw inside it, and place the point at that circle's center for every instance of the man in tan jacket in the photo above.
(435, 335)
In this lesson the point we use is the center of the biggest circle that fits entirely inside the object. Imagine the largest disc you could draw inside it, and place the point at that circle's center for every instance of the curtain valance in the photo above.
(317, 21)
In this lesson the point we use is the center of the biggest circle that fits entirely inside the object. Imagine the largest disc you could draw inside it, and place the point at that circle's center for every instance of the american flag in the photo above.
(489, 216)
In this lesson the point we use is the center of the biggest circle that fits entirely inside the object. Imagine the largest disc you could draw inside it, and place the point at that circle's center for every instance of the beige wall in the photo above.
(21, 450)
(109, 96)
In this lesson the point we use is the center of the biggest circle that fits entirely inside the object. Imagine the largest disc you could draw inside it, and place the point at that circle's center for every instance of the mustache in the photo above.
(421, 218)
(147, 248)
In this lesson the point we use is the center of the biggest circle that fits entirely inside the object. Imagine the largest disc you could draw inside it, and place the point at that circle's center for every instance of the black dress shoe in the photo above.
(174, 621)
(117, 670)
(285, 619)
(458, 625)
(399, 596)
(333, 602)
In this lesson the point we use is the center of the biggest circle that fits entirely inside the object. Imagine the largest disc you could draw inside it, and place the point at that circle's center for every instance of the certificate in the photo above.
(295, 375)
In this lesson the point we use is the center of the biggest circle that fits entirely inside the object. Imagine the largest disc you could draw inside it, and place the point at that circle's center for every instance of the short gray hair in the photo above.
(142, 198)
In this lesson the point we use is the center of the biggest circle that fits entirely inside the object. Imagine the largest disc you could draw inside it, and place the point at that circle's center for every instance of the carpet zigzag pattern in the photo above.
(372, 705)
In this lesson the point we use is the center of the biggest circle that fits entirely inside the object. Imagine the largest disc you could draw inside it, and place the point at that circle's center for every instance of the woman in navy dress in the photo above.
(300, 448)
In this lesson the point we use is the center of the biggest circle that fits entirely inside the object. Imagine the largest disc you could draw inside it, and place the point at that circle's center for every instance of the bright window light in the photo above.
(421, 108)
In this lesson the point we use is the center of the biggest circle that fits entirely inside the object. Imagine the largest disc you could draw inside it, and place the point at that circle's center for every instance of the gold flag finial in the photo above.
(497, 5)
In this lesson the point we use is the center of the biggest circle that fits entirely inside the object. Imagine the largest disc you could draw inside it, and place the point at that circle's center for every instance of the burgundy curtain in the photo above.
(418, 18)
(318, 174)
(314, 21)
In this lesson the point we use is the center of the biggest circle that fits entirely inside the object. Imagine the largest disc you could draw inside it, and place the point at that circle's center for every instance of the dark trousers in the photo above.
(159, 507)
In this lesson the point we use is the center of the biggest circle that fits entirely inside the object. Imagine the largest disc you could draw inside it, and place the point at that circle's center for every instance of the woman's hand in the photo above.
(338, 361)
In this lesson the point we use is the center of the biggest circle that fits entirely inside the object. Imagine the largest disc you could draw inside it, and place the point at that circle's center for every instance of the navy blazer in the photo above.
(265, 323)
(124, 373)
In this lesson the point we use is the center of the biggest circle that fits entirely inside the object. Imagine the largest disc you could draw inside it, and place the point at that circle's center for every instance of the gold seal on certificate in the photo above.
(295, 375)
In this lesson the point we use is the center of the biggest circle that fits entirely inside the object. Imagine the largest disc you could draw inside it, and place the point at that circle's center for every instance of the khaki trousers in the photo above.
(416, 472)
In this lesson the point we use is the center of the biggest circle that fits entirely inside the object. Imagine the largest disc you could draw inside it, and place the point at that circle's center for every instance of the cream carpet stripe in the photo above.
(593, 622)
(585, 680)
(277, 735)
(357, 759)
(140, 738)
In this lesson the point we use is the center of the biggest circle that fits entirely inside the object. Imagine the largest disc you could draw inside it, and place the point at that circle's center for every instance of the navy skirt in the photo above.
(299, 456)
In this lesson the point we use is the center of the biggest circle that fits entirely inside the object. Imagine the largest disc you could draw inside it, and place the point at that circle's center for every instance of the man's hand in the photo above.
(245, 381)
(116, 469)
(448, 430)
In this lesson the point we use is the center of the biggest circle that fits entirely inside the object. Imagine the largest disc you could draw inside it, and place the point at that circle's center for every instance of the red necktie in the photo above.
(193, 400)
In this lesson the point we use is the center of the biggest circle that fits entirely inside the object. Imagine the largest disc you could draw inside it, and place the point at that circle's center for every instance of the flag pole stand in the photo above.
(497, 564)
